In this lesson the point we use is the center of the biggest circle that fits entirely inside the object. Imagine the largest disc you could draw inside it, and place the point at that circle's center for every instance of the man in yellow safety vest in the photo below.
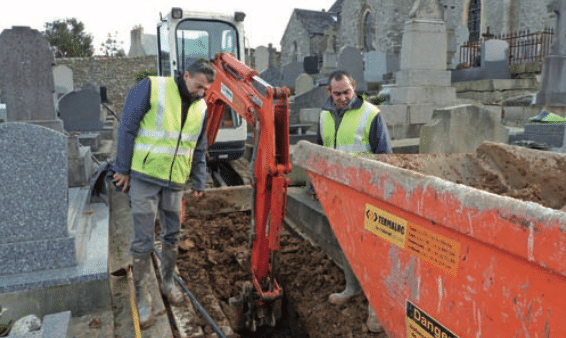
(161, 147)
(349, 123)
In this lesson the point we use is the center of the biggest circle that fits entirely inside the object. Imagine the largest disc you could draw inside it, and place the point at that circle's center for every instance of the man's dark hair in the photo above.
(338, 75)
(202, 66)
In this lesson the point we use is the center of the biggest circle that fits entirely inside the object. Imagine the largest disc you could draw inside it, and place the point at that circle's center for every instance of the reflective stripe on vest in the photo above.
(161, 148)
(346, 138)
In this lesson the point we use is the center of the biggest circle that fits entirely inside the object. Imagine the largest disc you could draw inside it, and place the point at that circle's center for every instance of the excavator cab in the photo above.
(186, 36)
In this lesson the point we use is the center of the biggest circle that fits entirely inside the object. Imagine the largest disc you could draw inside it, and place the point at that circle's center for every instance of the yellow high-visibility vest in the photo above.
(353, 133)
(161, 149)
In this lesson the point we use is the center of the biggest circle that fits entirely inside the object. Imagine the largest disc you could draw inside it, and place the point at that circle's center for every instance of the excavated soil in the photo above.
(521, 173)
(207, 263)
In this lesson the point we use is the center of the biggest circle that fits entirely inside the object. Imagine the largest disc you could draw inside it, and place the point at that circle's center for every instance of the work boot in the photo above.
(168, 287)
(142, 268)
(352, 289)
(373, 323)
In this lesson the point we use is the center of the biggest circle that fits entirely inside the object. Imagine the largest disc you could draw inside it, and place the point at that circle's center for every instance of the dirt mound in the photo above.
(521, 173)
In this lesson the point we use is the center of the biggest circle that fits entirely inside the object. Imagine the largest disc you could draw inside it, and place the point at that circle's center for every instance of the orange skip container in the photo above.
(439, 259)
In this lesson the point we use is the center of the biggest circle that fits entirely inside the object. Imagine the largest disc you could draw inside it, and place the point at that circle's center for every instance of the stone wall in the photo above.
(294, 33)
(501, 16)
(116, 74)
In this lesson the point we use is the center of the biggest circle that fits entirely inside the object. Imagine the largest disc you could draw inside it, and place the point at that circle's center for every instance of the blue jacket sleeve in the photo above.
(136, 106)
(198, 174)
(379, 139)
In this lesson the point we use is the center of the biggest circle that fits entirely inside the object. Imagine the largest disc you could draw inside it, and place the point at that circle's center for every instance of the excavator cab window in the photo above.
(204, 39)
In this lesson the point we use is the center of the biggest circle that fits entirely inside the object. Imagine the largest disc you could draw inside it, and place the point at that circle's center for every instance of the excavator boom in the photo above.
(267, 109)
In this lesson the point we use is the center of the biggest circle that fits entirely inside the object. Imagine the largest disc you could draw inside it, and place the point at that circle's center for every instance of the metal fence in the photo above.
(524, 47)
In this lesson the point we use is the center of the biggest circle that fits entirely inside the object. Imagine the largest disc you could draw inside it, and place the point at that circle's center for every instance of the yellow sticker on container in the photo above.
(385, 225)
(421, 325)
(434, 248)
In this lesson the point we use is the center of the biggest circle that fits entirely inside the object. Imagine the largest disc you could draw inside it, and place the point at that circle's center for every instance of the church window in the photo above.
(474, 20)
(367, 31)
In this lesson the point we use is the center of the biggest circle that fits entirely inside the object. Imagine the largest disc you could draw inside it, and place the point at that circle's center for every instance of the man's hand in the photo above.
(121, 181)
(198, 193)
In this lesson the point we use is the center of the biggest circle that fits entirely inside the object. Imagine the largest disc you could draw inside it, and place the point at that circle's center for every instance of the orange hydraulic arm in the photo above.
(267, 109)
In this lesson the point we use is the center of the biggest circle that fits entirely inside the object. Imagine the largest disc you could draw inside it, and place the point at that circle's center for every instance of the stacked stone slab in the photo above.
(553, 80)
(423, 82)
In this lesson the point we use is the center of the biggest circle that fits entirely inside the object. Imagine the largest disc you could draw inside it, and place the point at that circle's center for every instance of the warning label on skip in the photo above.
(439, 250)
(385, 225)
(421, 325)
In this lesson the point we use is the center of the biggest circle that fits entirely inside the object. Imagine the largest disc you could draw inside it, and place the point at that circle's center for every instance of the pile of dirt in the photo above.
(521, 173)
(207, 263)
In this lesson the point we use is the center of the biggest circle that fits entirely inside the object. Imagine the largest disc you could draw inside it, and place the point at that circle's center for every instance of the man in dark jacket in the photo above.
(161, 146)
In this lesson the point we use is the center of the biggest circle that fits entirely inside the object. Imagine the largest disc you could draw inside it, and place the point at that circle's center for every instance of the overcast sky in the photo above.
(265, 20)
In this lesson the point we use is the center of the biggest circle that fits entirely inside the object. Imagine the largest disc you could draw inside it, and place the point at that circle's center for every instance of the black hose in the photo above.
(199, 307)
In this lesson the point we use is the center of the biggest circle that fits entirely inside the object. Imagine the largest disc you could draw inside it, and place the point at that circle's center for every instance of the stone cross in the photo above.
(559, 7)
(331, 34)
(426, 10)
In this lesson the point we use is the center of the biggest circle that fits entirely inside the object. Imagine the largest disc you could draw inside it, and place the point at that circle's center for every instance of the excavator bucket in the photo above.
(437, 256)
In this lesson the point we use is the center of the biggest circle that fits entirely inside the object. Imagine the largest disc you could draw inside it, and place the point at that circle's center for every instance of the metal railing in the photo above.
(524, 47)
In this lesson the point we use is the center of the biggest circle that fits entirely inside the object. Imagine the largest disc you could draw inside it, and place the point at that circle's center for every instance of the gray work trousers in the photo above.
(146, 200)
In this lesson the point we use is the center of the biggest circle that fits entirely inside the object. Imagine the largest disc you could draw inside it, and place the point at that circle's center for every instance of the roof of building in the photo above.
(316, 22)
(337, 7)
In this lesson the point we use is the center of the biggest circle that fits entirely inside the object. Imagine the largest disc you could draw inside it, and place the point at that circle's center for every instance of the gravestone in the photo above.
(136, 42)
(350, 59)
(312, 64)
(553, 77)
(375, 66)
(63, 77)
(423, 82)
(495, 59)
(34, 199)
(261, 58)
(461, 129)
(304, 84)
(80, 110)
(272, 76)
(26, 62)
(290, 71)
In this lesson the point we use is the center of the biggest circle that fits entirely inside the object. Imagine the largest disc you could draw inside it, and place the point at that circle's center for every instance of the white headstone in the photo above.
(495, 51)
(304, 84)
(261, 58)
(375, 65)
(63, 77)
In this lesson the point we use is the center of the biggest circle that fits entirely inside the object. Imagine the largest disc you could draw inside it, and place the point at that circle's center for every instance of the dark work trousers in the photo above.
(146, 200)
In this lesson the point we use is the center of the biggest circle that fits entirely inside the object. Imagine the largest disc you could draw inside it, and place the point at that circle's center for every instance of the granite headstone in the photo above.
(272, 76)
(80, 110)
(26, 62)
(34, 199)
(350, 59)
(290, 71)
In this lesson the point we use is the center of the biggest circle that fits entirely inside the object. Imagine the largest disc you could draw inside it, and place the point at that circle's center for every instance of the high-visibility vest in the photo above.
(161, 148)
(353, 133)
